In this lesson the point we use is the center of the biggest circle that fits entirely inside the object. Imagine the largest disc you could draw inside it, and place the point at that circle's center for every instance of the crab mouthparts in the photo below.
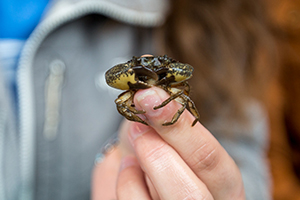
(145, 75)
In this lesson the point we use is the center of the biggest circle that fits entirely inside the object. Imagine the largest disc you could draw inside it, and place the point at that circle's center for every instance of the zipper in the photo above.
(2, 138)
(53, 97)
(24, 74)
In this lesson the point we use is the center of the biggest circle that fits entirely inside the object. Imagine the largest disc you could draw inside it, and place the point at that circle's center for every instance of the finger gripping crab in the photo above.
(148, 71)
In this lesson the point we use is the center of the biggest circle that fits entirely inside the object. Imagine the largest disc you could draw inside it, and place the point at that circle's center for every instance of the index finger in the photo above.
(196, 145)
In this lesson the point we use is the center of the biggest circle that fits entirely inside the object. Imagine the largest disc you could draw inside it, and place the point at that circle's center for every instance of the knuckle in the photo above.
(123, 186)
(204, 158)
(157, 159)
(199, 195)
(158, 153)
(126, 182)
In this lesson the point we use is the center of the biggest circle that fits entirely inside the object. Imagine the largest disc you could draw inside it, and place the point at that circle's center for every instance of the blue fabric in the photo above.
(18, 18)
(9, 57)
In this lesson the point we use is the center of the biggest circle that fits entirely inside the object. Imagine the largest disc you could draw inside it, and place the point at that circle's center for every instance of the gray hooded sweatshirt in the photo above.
(66, 111)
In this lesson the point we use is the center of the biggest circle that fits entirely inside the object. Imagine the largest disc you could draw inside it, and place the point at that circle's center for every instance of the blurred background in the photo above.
(284, 101)
(241, 50)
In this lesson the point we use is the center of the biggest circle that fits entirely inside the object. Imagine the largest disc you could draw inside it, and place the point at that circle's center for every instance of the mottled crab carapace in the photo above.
(145, 72)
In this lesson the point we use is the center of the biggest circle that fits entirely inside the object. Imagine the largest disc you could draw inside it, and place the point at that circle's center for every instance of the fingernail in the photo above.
(148, 99)
(128, 161)
(136, 130)
(107, 147)
(99, 158)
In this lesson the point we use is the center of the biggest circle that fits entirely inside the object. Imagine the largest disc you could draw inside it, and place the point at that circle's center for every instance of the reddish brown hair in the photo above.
(230, 46)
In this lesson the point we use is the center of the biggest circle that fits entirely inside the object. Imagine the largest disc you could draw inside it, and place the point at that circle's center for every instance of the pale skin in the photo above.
(166, 162)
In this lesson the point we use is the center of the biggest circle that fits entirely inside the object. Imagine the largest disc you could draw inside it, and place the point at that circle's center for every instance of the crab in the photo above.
(148, 71)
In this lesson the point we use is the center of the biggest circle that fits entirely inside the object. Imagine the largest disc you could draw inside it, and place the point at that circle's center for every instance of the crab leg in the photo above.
(176, 94)
(176, 116)
(184, 85)
(186, 102)
(123, 103)
(193, 110)
(172, 97)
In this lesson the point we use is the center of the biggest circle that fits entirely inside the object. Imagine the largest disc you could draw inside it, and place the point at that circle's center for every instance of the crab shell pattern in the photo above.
(148, 71)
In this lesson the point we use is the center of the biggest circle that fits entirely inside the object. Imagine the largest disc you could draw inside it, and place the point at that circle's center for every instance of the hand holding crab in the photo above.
(166, 162)
(145, 72)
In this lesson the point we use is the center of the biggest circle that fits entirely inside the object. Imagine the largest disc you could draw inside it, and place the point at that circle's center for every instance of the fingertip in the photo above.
(147, 55)
(104, 176)
(149, 99)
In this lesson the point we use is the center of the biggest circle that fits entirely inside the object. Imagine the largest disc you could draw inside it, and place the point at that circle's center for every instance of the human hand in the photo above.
(166, 162)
